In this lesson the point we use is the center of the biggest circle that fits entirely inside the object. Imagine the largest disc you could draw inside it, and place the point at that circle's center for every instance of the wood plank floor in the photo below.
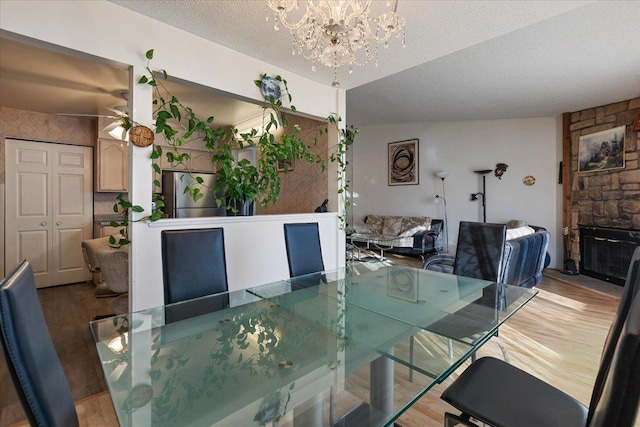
(558, 337)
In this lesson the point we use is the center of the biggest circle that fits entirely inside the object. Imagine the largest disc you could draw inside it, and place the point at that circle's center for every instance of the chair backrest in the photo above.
(304, 252)
(480, 250)
(628, 298)
(114, 265)
(620, 397)
(89, 249)
(31, 357)
(193, 263)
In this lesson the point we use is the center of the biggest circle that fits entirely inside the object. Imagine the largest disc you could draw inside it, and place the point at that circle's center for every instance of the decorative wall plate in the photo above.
(270, 88)
(141, 136)
(529, 180)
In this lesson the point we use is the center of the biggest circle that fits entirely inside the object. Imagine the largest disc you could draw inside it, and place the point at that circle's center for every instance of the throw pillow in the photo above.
(409, 222)
(375, 223)
(514, 233)
(410, 232)
(391, 225)
(516, 223)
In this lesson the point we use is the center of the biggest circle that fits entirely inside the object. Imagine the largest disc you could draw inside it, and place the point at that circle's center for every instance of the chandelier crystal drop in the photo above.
(337, 32)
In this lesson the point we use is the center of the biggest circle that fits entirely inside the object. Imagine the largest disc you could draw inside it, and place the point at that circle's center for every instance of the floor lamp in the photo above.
(483, 193)
(442, 175)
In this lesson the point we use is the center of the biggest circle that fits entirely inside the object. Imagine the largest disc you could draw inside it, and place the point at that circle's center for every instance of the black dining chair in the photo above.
(480, 254)
(304, 252)
(193, 266)
(499, 394)
(31, 357)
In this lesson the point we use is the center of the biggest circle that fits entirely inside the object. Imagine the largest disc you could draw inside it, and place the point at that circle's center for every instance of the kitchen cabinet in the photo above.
(112, 165)
(201, 161)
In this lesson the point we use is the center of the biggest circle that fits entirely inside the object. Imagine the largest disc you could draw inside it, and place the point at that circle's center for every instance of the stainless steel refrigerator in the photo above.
(179, 204)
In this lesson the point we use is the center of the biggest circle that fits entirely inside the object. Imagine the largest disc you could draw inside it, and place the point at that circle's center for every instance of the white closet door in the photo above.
(49, 209)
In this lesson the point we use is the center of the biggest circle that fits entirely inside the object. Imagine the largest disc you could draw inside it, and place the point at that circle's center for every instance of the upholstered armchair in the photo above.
(114, 265)
(89, 249)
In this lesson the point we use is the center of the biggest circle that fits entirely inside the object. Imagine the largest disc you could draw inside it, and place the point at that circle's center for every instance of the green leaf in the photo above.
(149, 54)
(175, 111)
(137, 208)
(143, 79)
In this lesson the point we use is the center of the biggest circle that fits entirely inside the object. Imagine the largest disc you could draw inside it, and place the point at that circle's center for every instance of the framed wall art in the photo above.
(601, 150)
(636, 124)
(283, 164)
(403, 162)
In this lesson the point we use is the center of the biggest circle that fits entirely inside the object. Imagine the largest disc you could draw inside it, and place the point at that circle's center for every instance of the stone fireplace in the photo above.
(600, 207)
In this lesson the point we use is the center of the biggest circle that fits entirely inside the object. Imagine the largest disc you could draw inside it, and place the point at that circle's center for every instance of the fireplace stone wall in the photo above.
(607, 198)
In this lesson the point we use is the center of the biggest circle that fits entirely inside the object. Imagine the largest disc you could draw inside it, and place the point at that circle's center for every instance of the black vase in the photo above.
(243, 207)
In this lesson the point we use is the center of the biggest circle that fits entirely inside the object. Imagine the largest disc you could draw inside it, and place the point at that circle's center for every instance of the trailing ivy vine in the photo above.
(235, 180)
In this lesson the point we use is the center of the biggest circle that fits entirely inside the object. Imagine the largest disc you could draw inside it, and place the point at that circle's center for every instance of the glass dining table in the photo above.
(354, 346)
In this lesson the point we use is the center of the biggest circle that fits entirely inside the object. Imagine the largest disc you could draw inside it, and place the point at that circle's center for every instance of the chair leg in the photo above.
(451, 420)
(503, 349)
(411, 358)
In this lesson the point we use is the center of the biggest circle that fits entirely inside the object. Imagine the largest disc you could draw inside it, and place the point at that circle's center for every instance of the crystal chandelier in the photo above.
(337, 32)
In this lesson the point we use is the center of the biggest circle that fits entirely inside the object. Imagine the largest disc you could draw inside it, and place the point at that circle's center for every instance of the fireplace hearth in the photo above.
(605, 253)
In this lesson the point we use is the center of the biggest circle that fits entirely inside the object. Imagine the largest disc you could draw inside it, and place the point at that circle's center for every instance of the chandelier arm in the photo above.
(338, 33)
(364, 11)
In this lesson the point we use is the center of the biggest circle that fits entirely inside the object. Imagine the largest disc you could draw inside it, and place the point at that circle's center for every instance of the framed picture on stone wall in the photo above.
(601, 150)
(403, 162)
(636, 124)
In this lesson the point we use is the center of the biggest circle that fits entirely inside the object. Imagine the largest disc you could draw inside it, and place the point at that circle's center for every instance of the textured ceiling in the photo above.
(464, 60)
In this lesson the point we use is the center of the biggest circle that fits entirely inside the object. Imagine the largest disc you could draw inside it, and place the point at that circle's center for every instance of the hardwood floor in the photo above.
(558, 336)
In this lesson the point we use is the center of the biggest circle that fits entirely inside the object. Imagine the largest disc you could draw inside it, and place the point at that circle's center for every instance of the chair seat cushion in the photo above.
(502, 395)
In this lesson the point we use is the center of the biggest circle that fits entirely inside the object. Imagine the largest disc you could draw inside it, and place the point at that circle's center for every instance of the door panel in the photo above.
(71, 200)
(34, 246)
(49, 209)
(68, 241)
(32, 203)
(72, 212)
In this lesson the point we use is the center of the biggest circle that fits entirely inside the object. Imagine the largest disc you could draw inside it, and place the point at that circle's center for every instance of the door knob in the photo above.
(58, 223)
(43, 223)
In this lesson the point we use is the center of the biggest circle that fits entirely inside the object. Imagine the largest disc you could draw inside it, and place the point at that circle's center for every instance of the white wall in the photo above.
(528, 146)
(112, 34)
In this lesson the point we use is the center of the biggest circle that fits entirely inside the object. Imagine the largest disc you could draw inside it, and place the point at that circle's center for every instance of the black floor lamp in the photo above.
(445, 224)
(483, 193)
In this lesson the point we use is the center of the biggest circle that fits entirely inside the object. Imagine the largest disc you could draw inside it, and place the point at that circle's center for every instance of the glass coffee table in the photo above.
(378, 242)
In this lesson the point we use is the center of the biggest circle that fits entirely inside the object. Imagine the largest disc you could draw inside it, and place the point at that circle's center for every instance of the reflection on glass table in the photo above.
(313, 350)
(369, 242)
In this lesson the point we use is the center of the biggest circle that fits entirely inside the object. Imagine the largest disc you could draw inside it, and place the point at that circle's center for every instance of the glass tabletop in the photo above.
(317, 348)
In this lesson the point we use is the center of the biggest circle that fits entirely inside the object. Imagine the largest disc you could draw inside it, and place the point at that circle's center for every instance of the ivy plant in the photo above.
(236, 181)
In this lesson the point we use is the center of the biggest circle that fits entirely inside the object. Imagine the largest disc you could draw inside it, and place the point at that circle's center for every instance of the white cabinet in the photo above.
(112, 165)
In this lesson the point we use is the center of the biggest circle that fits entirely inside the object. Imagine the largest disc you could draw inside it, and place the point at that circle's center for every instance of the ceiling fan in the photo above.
(120, 117)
